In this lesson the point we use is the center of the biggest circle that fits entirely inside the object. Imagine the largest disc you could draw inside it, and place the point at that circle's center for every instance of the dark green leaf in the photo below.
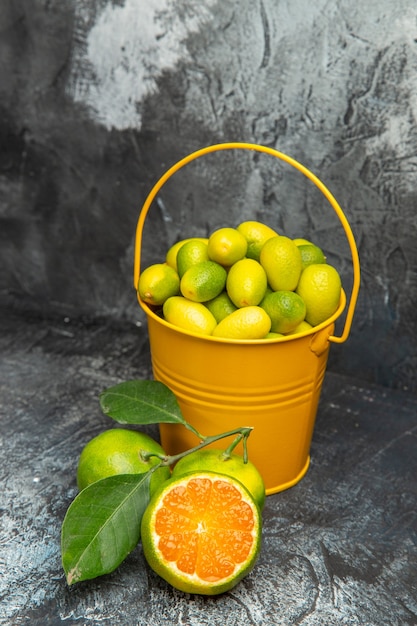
(102, 525)
(141, 402)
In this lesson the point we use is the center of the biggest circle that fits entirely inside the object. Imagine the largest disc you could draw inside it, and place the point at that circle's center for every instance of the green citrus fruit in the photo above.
(256, 234)
(203, 282)
(246, 282)
(281, 260)
(286, 310)
(320, 287)
(202, 533)
(191, 253)
(299, 241)
(171, 255)
(302, 327)
(213, 460)
(249, 322)
(221, 306)
(226, 246)
(157, 283)
(119, 451)
(192, 316)
(311, 254)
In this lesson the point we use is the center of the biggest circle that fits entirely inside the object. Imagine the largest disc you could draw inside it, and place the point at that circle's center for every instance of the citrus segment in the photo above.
(214, 460)
(201, 533)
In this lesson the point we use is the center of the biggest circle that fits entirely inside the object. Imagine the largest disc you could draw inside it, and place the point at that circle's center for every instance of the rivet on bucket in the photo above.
(273, 386)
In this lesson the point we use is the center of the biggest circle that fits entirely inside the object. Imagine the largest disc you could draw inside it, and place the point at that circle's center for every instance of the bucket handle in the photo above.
(280, 155)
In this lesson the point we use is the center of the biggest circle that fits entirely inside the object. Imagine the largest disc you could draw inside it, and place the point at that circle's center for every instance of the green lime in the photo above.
(191, 253)
(286, 310)
(203, 281)
(320, 287)
(157, 283)
(226, 246)
(171, 255)
(311, 254)
(246, 282)
(281, 260)
(221, 306)
(248, 322)
(119, 451)
(299, 241)
(214, 460)
(256, 234)
(189, 315)
(302, 327)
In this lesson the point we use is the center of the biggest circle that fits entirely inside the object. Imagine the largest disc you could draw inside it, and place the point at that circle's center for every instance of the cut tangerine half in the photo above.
(202, 533)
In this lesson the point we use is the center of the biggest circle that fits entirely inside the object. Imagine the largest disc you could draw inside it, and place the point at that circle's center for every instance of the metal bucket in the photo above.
(273, 386)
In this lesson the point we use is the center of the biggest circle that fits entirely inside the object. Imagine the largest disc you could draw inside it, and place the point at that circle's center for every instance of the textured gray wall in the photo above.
(98, 98)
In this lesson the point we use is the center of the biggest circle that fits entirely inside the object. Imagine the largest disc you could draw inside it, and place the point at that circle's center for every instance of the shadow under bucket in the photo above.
(271, 385)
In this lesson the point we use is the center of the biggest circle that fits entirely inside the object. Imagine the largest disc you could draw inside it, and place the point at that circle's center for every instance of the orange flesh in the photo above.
(206, 528)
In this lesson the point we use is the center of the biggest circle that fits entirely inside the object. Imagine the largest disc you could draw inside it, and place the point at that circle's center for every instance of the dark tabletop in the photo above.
(338, 548)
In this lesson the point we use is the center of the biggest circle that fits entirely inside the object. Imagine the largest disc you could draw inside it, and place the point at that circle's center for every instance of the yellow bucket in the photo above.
(221, 384)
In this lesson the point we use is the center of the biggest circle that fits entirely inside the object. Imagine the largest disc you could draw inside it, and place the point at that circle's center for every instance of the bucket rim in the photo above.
(226, 340)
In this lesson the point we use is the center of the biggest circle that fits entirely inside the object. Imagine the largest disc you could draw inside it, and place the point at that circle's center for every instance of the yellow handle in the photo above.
(290, 161)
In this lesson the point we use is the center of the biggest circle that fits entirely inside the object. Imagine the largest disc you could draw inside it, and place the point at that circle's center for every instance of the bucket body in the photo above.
(270, 385)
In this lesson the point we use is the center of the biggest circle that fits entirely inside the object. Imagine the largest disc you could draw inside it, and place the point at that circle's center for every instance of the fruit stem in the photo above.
(228, 452)
(194, 431)
(242, 433)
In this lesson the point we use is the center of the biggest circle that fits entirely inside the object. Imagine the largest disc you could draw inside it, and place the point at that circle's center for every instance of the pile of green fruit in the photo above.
(247, 282)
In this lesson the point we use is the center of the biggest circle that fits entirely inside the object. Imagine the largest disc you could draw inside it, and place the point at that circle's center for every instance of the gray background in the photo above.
(98, 98)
